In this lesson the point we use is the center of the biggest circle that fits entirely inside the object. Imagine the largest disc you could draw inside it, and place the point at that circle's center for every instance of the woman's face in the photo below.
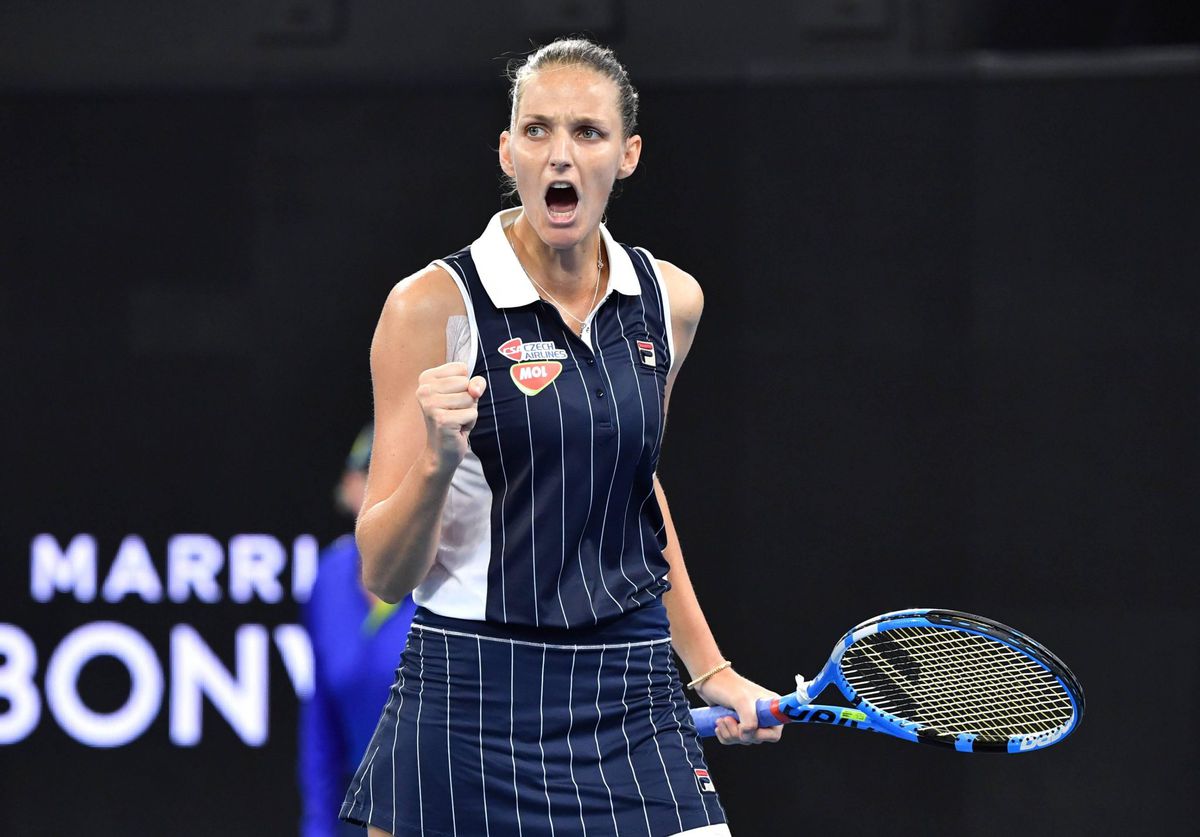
(565, 150)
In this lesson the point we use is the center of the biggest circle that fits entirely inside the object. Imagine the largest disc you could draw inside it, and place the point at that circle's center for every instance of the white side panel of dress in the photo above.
(456, 584)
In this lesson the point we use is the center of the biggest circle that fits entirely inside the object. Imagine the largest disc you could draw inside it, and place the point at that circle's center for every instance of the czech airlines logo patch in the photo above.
(533, 377)
(704, 782)
(646, 350)
(518, 350)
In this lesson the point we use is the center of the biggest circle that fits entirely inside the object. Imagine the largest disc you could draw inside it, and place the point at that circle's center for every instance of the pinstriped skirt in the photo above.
(487, 735)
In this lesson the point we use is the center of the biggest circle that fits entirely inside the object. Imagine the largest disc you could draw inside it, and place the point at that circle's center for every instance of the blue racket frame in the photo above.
(798, 707)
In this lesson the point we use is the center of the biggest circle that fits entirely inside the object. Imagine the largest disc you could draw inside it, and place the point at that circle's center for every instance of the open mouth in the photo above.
(561, 201)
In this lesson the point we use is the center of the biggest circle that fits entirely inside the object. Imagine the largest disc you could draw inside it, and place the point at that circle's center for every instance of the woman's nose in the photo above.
(560, 153)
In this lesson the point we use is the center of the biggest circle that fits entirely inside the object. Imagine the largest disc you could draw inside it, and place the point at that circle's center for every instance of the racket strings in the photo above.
(953, 682)
(953, 672)
(993, 711)
(997, 720)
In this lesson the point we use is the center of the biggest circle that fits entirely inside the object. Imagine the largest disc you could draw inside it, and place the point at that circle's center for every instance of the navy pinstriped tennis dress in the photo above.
(537, 694)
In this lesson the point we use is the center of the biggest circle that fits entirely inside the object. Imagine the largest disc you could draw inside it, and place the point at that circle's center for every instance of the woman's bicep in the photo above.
(687, 304)
(410, 338)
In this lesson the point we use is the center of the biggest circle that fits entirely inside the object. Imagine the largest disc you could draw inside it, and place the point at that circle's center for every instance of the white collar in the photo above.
(507, 283)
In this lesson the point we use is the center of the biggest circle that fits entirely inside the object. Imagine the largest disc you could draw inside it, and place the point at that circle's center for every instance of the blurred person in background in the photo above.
(357, 640)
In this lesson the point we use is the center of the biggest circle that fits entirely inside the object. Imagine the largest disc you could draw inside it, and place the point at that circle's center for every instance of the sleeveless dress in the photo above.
(537, 694)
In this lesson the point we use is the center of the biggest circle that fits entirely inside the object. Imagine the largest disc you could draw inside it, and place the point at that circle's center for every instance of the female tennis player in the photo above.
(521, 389)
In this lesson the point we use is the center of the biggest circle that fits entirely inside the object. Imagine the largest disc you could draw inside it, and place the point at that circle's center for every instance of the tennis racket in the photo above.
(935, 677)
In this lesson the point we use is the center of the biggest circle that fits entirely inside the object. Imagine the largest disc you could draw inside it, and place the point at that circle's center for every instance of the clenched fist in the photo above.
(450, 403)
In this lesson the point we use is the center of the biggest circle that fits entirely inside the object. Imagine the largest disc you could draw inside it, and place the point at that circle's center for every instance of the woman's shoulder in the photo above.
(682, 287)
(428, 295)
(687, 298)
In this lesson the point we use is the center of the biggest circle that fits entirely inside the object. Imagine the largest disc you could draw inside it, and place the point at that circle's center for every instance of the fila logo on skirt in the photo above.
(704, 782)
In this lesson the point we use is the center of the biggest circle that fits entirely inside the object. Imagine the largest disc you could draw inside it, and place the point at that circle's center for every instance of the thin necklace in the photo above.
(583, 326)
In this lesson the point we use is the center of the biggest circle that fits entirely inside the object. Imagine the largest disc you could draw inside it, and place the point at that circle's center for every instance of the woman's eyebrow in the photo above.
(574, 118)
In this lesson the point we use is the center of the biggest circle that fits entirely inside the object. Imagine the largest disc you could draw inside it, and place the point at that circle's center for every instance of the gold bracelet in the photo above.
(724, 665)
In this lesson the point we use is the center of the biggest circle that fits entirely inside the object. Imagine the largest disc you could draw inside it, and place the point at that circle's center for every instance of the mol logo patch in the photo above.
(532, 377)
(518, 350)
(704, 782)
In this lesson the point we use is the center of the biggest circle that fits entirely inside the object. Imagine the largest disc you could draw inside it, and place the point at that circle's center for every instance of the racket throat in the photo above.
(803, 693)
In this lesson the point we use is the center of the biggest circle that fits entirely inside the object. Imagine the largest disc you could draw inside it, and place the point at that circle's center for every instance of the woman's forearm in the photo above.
(690, 633)
(692, 638)
(398, 536)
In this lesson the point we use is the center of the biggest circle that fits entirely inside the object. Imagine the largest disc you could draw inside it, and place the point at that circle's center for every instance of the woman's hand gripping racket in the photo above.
(935, 677)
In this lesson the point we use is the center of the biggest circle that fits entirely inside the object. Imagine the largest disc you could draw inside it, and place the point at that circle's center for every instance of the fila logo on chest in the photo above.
(646, 352)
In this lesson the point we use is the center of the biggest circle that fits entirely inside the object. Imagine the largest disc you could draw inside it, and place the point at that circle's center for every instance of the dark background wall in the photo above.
(949, 357)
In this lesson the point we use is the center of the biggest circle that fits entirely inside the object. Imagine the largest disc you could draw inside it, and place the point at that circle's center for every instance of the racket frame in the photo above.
(797, 707)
